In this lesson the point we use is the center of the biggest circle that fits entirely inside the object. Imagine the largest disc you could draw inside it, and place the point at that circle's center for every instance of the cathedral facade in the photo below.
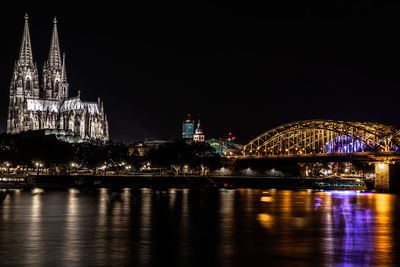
(45, 104)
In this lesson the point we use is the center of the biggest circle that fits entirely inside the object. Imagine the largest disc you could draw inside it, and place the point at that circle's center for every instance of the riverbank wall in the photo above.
(175, 182)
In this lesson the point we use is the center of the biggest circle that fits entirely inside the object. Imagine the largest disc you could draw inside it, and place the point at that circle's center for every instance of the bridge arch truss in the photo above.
(324, 136)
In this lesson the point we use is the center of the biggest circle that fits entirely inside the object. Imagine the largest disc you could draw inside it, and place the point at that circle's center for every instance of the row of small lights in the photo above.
(73, 165)
(127, 167)
(37, 164)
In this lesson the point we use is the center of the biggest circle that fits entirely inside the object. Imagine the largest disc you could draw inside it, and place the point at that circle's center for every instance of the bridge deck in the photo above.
(359, 156)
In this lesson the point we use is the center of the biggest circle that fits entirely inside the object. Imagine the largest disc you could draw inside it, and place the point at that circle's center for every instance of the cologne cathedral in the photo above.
(46, 105)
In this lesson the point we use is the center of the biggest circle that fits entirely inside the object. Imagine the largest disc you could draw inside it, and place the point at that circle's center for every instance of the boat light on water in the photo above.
(340, 184)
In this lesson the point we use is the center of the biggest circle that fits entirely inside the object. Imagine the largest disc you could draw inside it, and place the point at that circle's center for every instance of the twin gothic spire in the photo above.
(25, 53)
(54, 69)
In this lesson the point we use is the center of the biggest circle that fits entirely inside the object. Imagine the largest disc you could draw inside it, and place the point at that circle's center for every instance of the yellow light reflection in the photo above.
(34, 233)
(72, 225)
(126, 201)
(227, 211)
(266, 199)
(266, 220)
(286, 201)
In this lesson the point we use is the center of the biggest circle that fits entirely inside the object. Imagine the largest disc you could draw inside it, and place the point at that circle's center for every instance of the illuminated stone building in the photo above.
(45, 104)
(198, 134)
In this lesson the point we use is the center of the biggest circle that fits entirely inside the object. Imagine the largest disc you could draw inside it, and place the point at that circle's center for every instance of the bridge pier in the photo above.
(387, 177)
(382, 177)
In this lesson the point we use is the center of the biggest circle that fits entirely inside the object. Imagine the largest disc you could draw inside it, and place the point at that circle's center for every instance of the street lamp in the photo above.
(127, 168)
(73, 166)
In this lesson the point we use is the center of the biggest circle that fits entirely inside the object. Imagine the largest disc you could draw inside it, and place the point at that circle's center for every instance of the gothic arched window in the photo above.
(56, 87)
(28, 84)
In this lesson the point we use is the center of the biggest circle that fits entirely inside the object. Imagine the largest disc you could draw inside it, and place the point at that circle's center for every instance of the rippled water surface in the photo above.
(145, 227)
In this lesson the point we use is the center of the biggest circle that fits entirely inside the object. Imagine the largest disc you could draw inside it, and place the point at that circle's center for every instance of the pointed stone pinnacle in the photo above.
(25, 54)
(54, 53)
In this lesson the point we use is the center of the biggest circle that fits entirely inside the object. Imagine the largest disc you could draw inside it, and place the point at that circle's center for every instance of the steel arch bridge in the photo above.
(310, 137)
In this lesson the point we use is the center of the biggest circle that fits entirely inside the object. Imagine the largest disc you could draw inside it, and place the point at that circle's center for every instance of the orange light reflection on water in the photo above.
(384, 228)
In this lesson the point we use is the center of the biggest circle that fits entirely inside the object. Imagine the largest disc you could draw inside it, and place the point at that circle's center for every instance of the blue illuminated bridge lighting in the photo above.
(345, 144)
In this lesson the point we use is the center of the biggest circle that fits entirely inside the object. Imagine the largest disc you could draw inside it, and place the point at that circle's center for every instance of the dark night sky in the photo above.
(245, 69)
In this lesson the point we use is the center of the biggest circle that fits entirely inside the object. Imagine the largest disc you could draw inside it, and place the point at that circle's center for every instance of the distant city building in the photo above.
(143, 147)
(188, 129)
(198, 134)
(47, 105)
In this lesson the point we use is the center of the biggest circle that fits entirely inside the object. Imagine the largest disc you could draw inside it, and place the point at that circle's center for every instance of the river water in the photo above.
(186, 227)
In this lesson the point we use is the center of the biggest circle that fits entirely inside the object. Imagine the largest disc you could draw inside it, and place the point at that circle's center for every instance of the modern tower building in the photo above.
(46, 104)
(188, 129)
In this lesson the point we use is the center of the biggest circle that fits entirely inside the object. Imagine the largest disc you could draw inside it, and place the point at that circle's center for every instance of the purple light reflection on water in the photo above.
(348, 240)
(347, 193)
